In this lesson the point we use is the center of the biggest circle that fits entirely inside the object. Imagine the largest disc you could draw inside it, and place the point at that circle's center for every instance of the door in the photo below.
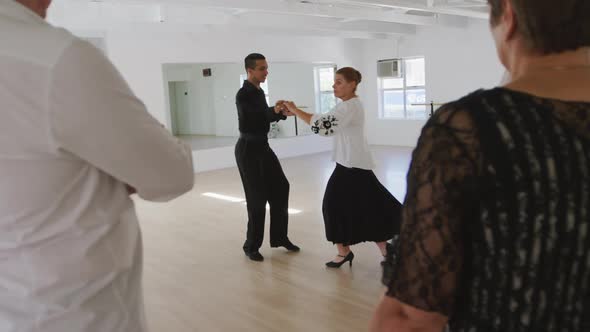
(180, 108)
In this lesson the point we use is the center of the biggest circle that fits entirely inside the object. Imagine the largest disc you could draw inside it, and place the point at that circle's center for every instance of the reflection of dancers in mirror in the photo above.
(356, 207)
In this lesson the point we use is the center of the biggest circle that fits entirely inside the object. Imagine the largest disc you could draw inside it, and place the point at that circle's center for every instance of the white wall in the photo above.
(458, 61)
(140, 55)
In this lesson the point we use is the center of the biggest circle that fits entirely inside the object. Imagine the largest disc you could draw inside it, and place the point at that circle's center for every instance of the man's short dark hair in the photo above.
(549, 26)
(250, 60)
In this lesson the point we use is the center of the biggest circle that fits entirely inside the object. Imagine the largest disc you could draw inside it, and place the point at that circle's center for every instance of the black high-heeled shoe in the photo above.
(347, 258)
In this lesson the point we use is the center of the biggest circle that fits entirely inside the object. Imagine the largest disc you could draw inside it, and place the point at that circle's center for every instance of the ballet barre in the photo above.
(295, 120)
(431, 104)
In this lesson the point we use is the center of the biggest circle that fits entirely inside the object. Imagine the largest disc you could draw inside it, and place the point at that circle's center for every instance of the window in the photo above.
(399, 95)
(324, 79)
(264, 86)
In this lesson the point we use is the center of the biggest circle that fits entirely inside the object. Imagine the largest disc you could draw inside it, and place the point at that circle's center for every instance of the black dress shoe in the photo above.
(347, 258)
(255, 256)
(290, 246)
(287, 245)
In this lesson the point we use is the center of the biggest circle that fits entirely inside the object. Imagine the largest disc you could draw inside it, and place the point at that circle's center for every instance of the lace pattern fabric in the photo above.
(495, 223)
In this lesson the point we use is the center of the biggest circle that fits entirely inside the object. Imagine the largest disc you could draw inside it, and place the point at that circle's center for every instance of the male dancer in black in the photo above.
(260, 170)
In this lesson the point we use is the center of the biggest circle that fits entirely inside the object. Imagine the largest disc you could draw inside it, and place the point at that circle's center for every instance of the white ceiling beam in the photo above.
(318, 10)
(221, 30)
(104, 15)
(305, 31)
(301, 21)
(91, 19)
(422, 5)
(361, 18)
(294, 7)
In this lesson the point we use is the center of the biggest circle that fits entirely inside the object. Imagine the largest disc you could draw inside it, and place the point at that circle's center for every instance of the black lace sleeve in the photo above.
(441, 182)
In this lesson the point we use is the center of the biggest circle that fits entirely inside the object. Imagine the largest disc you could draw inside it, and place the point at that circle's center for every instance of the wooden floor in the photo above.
(198, 279)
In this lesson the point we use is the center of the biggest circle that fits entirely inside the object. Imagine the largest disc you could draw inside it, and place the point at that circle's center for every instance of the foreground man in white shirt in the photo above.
(74, 143)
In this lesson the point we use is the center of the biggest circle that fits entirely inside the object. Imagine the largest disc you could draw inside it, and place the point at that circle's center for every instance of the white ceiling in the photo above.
(346, 18)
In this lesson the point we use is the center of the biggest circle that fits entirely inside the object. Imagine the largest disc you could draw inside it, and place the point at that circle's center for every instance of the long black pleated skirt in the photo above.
(358, 208)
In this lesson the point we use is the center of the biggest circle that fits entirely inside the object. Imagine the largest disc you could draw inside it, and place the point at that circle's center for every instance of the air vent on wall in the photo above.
(389, 68)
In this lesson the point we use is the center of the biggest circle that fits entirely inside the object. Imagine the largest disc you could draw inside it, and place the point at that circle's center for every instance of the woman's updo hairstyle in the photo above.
(350, 75)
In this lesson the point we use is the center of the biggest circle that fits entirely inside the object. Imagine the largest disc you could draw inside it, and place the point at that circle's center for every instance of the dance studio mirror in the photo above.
(201, 98)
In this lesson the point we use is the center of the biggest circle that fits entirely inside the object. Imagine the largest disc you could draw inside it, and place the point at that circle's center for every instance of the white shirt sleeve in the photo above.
(95, 116)
(330, 123)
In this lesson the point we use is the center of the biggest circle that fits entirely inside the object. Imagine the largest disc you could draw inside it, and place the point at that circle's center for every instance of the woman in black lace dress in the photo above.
(495, 233)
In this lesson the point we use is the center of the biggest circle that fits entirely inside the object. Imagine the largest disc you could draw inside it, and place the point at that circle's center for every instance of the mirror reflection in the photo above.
(201, 98)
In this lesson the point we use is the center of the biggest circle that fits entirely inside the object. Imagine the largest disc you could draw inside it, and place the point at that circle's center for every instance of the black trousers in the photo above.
(264, 181)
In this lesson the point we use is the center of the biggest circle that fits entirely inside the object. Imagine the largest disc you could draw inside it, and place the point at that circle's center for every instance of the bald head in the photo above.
(37, 6)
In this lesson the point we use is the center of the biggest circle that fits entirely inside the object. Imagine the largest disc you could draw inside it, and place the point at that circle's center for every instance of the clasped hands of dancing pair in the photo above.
(286, 107)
